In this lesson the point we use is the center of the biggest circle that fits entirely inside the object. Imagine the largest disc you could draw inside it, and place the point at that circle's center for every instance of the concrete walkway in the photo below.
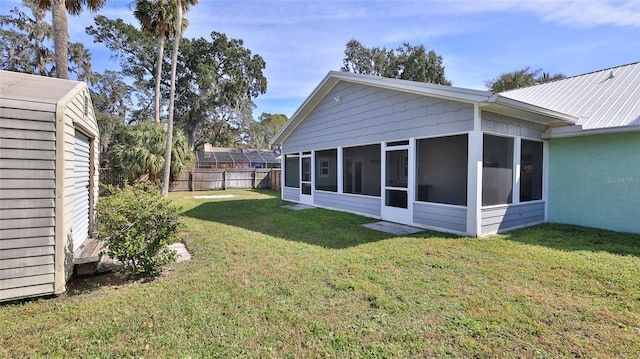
(393, 228)
(298, 207)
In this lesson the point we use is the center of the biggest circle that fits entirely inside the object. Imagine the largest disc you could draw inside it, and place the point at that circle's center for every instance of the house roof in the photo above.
(32, 88)
(236, 155)
(603, 99)
(486, 99)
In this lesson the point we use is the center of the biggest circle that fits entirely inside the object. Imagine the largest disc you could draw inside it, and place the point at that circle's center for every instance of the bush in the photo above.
(137, 224)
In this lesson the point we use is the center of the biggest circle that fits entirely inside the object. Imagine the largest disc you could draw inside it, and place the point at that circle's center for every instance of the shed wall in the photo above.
(353, 114)
(77, 116)
(27, 200)
(594, 181)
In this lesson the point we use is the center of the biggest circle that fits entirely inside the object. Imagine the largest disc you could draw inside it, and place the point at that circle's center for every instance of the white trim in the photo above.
(340, 169)
(545, 179)
(441, 204)
(579, 132)
(474, 175)
(517, 159)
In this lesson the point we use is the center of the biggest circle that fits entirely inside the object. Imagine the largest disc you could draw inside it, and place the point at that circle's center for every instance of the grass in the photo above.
(269, 282)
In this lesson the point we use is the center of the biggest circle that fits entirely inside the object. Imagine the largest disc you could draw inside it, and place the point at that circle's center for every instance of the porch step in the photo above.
(87, 259)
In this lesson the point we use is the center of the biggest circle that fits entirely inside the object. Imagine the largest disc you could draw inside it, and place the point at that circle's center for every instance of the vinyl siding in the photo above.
(27, 200)
(37, 181)
(438, 216)
(370, 115)
(505, 125)
(496, 219)
(291, 194)
(365, 205)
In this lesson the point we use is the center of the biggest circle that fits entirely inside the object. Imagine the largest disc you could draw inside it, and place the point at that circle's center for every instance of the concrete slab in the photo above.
(393, 228)
(183, 253)
(298, 207)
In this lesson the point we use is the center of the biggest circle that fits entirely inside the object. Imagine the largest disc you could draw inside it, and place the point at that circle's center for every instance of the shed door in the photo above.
(81, 172)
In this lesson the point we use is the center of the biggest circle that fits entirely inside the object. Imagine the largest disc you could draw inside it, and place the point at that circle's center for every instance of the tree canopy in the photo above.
(406, 62)
(25, 40)
(521, 78)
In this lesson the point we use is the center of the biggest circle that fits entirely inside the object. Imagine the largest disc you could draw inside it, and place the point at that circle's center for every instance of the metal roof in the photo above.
(606, 98)
(25, 87)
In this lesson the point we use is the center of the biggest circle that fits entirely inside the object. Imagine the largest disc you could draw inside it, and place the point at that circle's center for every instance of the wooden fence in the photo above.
(203, 179)
(217, 179)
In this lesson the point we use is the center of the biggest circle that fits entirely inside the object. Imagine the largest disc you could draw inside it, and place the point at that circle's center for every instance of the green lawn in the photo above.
(269, 282)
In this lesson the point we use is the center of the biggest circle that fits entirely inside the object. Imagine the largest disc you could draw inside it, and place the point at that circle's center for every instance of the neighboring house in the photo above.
(48, 181)
(466, 161)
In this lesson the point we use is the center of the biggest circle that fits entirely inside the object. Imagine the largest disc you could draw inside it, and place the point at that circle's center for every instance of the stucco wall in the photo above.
(594, 181)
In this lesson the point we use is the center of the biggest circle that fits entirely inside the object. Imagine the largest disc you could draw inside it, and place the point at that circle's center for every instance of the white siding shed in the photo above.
(48, 181)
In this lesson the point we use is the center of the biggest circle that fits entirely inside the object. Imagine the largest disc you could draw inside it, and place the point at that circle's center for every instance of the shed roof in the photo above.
(602, 99)
(487, 99)
(42, 89)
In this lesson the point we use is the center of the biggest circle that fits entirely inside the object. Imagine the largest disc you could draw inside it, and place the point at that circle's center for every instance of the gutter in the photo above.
(577, 131)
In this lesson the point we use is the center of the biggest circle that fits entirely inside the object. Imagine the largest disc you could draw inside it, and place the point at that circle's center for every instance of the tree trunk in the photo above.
(174, 64)
(192, 139)
(159, 75)
(60, 37)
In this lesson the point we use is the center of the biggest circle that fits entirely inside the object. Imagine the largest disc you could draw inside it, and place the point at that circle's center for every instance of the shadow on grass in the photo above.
(316, 226)
(86, 284)
(575, 238)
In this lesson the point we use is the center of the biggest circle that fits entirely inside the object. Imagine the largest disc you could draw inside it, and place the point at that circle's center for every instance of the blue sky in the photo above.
(478, 39)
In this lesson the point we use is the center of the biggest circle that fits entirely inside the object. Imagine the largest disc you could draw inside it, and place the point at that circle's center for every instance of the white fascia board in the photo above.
(418, 88)
(577, 131)
(309, 103)
(415, 87)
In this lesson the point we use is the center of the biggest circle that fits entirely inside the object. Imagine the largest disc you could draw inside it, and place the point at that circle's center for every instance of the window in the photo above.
(497, 170)
(362, 170)
(326, 170)
(530, 171)
(292, 171)
(442, 169)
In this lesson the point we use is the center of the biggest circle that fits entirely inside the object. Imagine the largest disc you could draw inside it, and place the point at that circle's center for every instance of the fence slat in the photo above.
(203, 179)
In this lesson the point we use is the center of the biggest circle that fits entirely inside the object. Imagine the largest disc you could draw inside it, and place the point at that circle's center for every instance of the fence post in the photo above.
(224, 179)
(255, 178)
(193, 177)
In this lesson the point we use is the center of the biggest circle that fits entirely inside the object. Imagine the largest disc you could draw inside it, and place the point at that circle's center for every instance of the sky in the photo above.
(301, 41)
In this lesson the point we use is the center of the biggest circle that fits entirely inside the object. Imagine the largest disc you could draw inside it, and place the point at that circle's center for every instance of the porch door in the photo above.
(398, 173)
(306, 184)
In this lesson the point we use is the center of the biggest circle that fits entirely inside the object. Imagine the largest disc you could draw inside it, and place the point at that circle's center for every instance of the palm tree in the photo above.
(59, 10)
(158, 17)
(141, 152)
(180, 7)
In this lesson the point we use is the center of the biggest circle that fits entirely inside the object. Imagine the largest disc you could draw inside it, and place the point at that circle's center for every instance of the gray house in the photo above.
(48, 181)
(451, 159)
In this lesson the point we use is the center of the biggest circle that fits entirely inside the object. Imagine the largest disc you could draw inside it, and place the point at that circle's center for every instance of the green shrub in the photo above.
(137, 224)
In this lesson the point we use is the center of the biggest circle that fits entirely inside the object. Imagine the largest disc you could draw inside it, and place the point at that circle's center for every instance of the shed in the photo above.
(48, 181)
